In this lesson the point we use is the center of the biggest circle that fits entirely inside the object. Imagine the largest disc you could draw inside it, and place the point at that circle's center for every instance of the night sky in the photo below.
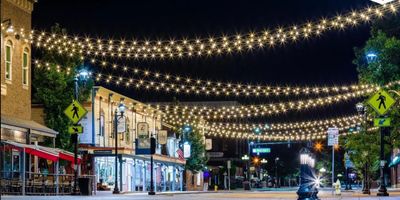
(319, 61)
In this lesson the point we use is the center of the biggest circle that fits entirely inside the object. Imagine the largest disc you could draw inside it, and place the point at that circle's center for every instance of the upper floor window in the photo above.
(25, 67)
(8, 71)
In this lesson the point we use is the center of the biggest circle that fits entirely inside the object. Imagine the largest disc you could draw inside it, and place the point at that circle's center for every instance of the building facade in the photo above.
(97, 143)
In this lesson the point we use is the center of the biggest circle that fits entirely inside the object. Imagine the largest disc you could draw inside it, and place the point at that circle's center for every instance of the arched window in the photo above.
(25, 67)
(9, 49)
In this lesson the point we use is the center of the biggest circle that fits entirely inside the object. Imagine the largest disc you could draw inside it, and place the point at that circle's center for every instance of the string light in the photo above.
(85, 46)
(229, 112)
(187, 85)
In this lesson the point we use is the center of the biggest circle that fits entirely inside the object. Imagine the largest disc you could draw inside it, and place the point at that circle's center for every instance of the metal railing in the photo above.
(12, 183)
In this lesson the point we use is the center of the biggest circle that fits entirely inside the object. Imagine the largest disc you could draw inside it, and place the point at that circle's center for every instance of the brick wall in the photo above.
(17, 100)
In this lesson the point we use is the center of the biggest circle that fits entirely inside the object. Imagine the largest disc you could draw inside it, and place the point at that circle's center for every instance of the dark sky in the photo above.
(320, 61)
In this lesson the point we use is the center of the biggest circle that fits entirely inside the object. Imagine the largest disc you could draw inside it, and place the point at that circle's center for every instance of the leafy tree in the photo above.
(364, 147)
(53, 87)
(197, 160)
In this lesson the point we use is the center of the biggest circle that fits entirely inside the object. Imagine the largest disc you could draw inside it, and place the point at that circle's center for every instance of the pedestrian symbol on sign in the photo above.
(75, 112)
(381, 100)
(75, 109)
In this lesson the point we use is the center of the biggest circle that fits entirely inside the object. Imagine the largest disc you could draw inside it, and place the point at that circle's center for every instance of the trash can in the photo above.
(85, 186)
(246, 185)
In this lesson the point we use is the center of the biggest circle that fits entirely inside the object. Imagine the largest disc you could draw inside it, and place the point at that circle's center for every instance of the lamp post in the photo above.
(121, 109)
(81, 75)
(246, 159)
(308, 183)
(276, 172)
(373, 57)
(362, 111)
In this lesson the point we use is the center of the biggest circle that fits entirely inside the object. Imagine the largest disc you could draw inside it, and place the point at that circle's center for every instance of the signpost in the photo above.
(381, 102)
(228, 163)
(333, 139)
(75, 112)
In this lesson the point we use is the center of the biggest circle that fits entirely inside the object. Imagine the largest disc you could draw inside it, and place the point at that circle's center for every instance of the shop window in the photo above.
(25, 67)
(8, 57)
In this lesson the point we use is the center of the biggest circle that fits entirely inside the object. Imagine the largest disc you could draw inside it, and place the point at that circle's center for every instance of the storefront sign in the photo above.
(102, 151)
(215, 154)
(208, 144)
(162, 137)
(143, 130)
(186, 150)
(143, 143)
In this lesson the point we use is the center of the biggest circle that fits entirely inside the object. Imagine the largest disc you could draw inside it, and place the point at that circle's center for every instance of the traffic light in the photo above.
(153, 145)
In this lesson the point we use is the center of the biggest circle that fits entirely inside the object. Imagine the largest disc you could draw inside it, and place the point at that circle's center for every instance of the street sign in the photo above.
(381, 102)
(261, 150)
(333, 136)
(162, 136)
(75, 112)
(382, 122)
(75, 129)
(208, 144)
(121, 128)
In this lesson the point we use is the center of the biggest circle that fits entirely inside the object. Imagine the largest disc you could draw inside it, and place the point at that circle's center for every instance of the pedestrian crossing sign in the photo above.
(381, 102)
(75, 112)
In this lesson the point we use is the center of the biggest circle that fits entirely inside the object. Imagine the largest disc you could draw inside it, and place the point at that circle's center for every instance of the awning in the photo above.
(36, 128)
(47, 153)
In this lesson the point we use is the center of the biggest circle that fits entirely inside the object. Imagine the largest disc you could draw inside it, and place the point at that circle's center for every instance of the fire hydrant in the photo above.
(337, 187)
(215, 187)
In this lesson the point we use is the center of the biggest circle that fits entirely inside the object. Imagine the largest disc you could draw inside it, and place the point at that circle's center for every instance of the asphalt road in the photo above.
(235, 195)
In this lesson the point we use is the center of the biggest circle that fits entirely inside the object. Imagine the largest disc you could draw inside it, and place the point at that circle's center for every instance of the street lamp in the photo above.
(308, 184)
(121, 110)
(80, 75)
(276, 172)
(362, 111)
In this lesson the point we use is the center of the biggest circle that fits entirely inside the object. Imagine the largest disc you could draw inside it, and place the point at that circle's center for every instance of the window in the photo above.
(9, 47)
(25, 67)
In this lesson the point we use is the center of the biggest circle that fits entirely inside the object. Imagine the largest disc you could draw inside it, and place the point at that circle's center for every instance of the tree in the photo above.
(197, 160)
(53, 87)
(364, 147)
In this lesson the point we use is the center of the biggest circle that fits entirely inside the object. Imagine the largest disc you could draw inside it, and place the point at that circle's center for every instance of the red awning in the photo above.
(68, 156)
(41, 154)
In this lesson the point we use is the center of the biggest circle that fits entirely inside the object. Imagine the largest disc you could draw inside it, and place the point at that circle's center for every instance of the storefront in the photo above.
(98, 142)
(136, 173)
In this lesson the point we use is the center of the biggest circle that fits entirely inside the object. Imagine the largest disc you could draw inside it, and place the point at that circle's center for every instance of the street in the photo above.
(222, 195)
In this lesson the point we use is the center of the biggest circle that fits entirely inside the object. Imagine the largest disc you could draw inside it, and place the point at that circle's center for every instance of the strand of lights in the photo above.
(238, 111)
(248, 111)
(307, 126)
(85, 46)
(286, 126)
(201, 87)
(188, 85)
(228, 88)
(281, 136)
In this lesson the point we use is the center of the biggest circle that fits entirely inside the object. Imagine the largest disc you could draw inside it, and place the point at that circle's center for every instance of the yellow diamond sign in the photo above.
(75, 112)
(381, 102)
